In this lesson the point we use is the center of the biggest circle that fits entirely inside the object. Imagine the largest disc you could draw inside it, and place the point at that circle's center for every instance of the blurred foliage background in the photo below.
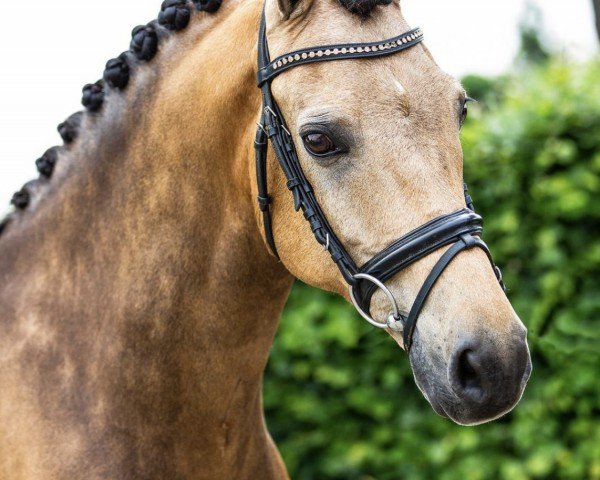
(339, 396)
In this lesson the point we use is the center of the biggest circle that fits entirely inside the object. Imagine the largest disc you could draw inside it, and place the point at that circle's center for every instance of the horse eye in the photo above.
(464, 114)
(318, 144)
(465, 110)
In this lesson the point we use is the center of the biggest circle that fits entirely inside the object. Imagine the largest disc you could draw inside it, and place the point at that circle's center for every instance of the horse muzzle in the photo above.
(482, 379)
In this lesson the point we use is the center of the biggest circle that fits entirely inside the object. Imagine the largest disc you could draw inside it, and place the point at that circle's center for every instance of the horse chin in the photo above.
(435, 405)
(432, 393)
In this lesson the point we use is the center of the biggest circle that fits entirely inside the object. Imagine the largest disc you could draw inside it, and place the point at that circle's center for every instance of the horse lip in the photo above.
(526, 374)
(439, 409)
(423, 386)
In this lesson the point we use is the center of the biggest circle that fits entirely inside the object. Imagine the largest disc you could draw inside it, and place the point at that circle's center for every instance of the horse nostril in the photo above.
(466, 374)
(485, 377)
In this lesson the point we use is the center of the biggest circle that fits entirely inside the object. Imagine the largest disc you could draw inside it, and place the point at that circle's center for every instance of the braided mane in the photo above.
(174, 16)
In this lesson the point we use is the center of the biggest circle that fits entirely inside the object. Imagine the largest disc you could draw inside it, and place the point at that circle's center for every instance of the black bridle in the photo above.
(461, 229)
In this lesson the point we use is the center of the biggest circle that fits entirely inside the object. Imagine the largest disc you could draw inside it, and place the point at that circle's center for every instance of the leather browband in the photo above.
(460, 230)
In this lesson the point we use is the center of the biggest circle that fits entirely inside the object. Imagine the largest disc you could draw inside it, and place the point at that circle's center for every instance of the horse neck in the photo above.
(143, 257)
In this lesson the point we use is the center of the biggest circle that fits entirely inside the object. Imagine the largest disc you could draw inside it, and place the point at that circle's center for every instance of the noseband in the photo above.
(460, 230)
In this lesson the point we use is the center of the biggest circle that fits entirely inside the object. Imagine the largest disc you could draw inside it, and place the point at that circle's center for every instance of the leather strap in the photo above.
(346, 51)
(465, 242)
(264, 199)
(274, 128)
(304, 197)
(415, 245)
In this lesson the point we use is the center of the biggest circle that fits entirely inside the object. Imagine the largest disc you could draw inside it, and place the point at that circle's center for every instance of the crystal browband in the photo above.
(339, 52)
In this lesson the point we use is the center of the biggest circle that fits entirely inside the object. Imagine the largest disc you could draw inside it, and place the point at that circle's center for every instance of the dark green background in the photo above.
(339, 396)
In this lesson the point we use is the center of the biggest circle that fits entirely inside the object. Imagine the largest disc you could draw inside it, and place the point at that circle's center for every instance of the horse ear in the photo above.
(286, 7)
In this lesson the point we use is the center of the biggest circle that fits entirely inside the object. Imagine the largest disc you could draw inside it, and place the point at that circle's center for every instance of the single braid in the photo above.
(69, 129)
(144, 42)
(210, 6)
(93, 96)
(117, 72)
(174, 14)
(46, 163)
(21, 199)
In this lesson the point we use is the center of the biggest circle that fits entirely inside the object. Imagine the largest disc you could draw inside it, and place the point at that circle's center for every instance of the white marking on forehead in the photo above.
(399, 86)
(400, 94)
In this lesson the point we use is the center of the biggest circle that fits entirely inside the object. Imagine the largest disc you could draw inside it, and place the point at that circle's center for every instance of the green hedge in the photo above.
(339, 396)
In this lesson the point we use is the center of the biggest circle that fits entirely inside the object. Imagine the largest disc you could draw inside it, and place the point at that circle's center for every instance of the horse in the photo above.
(141, 283)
